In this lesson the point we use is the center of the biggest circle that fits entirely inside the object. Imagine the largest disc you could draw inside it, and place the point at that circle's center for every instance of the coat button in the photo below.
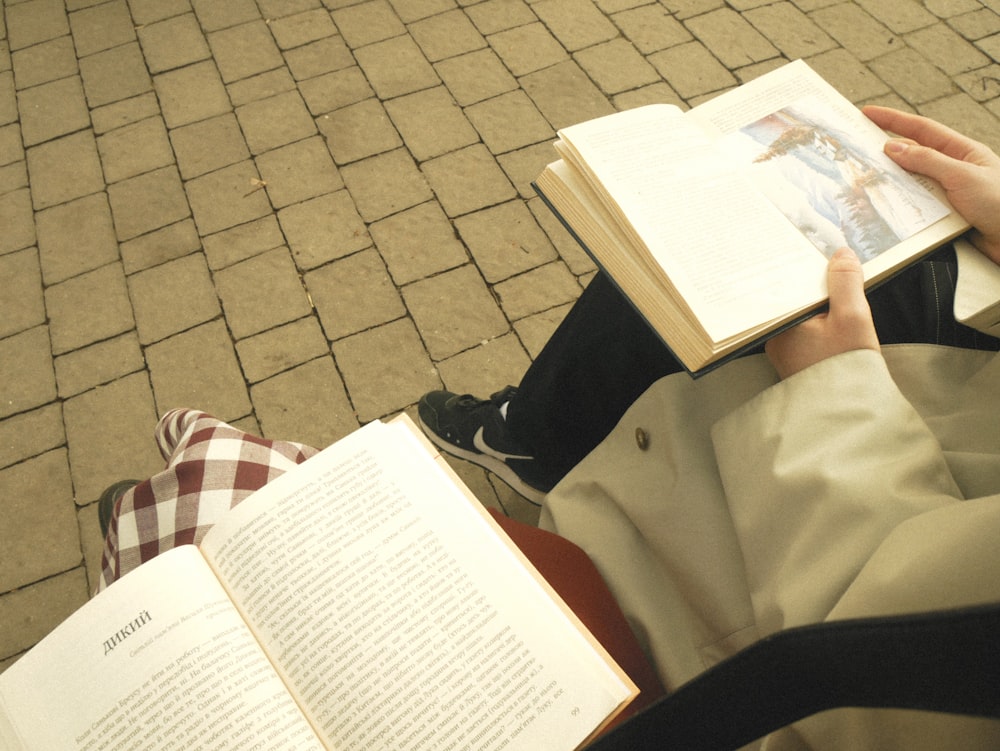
(641, 439)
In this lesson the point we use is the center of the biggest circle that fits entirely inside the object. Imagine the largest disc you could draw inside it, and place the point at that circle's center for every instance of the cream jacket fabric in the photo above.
(724, 509)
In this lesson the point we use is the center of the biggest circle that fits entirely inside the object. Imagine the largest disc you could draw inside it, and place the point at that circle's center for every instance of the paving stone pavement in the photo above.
(300, 215)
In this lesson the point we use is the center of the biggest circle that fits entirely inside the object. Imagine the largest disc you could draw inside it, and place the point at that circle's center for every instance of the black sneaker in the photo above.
(473, 429)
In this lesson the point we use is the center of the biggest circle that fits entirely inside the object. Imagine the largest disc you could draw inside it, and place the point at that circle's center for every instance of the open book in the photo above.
(361, 600)
(717, 222)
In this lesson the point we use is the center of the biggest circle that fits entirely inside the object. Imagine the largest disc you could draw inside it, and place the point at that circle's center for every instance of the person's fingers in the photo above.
(924, 131)
(846, 283)
(951, 173)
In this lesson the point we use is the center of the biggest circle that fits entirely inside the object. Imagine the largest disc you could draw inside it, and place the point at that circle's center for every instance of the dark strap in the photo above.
(947, 661)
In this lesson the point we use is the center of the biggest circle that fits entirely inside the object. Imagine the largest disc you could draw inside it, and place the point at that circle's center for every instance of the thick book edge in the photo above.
(977, 291)
(707, 366)
(402, 445)
(406, 423)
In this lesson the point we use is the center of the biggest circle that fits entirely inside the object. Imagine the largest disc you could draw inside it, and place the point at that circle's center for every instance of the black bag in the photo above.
(945, 661)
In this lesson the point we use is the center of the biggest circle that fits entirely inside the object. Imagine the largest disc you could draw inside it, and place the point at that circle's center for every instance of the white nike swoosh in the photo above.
(479, 443)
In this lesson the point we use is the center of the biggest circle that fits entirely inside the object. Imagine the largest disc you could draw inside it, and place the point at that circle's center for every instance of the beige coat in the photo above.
(861, 486)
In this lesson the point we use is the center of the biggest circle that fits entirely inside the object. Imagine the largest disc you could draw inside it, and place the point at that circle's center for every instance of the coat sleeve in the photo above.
(843, 502)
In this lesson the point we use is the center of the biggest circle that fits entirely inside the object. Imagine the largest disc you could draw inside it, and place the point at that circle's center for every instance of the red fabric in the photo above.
(573, 575)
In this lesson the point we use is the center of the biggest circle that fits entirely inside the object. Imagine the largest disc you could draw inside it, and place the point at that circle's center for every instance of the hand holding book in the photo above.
(717, 223)
(847, 326)
(968, 171)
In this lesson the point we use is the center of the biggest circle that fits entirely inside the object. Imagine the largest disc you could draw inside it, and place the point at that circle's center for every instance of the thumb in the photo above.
(846, 284)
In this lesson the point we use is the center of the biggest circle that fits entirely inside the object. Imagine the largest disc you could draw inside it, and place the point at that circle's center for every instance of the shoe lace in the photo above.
(468, 401)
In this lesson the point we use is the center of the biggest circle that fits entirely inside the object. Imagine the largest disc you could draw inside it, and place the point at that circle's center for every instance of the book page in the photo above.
(159, 660)
(724, 246)
(821, 162)
(398, 616)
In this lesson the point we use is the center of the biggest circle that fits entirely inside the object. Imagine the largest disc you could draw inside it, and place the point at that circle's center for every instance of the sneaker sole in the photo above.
(487, 462)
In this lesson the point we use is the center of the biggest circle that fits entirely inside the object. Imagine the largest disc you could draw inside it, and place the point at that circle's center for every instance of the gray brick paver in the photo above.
(245, 50)
(227, 197)
(731, 38)
(16, 219)
(475, 76)
(21, 271)
(976, 24)
(446, 35)
(135, 149)
(359, 130)
(431, 123)
(334, 90)
(854, 28)
(275, 121)
(101, 27)
(75, 237)
(198, 366)
(271, 277)
(173, 43)
(454, 311)
(301, 28)
(172, 297)
(125, 112)
(525, 49)
(26, 369)
(88, 308)
(385, 368)
(323, 229)
(395, 67)
(29, 24)
(354, 294)
(262, 86)
(281, 348)
(159, 246)
(912, 76)
(417, 243)
(44, 62)
(505, 240)
(115, 74)
(31, 434)
(322, 56)
(208, 145)
(575, 23)
(651, 28)
(298, 172)
(289, 404)
(64, 169)
(946, 49)
(52, 109)
(173, 89)
(509, 121)
(101, 363)
(108, 430)
(367, 23)
(385, 184)
(147, 202)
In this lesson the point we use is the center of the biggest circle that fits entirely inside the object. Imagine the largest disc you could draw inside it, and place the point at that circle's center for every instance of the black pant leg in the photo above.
(598, 361)
(603, 356)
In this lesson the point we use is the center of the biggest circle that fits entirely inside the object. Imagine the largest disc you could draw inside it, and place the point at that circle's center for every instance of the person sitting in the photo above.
(850, 469)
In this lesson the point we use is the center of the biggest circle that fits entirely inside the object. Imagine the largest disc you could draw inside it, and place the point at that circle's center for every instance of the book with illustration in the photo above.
(717, 222)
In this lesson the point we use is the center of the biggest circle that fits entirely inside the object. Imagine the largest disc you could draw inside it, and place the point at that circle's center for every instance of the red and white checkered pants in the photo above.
(211, 466)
